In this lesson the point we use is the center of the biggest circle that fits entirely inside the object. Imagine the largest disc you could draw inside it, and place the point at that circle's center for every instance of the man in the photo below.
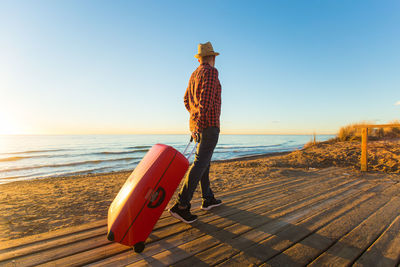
(203, 101)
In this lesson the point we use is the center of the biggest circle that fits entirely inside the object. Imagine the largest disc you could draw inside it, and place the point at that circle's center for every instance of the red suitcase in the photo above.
(144, 196)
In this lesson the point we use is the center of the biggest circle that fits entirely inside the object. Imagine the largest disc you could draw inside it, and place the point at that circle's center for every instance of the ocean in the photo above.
(25, 157)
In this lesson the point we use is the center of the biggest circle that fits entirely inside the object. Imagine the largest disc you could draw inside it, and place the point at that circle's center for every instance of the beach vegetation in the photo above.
(391, 132)
(352, 132)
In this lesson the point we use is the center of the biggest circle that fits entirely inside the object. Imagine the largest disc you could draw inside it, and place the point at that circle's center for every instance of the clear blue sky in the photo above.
(123, 66)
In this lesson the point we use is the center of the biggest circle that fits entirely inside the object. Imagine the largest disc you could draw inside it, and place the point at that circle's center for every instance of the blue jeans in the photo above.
(199, 171)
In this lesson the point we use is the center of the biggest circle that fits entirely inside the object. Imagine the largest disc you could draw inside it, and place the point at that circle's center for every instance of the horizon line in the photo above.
(154, 133)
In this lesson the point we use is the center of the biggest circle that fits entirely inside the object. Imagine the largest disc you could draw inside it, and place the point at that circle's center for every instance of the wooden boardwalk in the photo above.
(326, 217)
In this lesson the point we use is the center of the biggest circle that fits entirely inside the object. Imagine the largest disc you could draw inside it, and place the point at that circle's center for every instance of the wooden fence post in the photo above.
(364, 149)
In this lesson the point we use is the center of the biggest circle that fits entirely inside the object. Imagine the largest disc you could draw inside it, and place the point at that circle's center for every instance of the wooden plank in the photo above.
(241, 195)
(87, 242)
(275, 194)
(279, 241)
(9, 244)
(97, 253)
(270, 205)
(93, 255)
(258, 196)
(253, 238)
(351, 246)
(247, 191)
(53, 243)
(65, 236)
(62, 251)
(222, 235)
(248, 222)
(386, 249)
(273, 206)
(304, 250)
(168, 257)
(88, 256)
(66, 250)
(58, 252)
(170, 242)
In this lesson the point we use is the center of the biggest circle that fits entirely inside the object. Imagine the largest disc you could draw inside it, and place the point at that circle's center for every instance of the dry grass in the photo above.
(391, 132)
(351, 133)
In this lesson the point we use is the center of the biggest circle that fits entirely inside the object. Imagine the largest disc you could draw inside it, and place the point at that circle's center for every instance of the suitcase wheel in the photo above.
(139, 247)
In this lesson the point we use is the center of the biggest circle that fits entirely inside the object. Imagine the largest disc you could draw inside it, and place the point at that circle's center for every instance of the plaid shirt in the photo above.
(203, 98)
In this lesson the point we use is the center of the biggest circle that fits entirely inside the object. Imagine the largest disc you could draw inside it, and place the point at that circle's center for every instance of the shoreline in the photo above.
(72, 155)
(30, 207)
(249, 157)
(253, 157)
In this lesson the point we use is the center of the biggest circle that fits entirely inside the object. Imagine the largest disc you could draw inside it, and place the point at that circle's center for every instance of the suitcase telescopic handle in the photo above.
(194, 148)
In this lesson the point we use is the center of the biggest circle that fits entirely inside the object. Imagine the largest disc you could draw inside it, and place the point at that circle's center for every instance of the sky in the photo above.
(122, 67)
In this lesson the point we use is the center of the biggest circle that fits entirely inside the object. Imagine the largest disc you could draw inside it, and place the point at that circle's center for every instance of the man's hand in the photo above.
(196, 137)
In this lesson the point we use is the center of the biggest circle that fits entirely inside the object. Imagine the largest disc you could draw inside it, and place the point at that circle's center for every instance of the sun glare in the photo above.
(7, 127)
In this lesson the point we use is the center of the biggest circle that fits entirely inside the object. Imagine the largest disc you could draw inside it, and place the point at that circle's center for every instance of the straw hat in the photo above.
(205, 50)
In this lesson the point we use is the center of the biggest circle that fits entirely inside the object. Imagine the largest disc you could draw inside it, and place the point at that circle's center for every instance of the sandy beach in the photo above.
(42, 205)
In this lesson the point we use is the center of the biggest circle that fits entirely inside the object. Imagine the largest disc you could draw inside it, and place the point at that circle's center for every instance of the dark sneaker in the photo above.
(182, 214)
(209, 204)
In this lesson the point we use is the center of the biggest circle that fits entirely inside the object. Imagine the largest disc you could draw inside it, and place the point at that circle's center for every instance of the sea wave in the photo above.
(87, 171)
(4, 180)
(34, 151)
(120, 152)
(68, 164)
(248, 147)
(138, 147)
(95, 170)
(13, 159)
